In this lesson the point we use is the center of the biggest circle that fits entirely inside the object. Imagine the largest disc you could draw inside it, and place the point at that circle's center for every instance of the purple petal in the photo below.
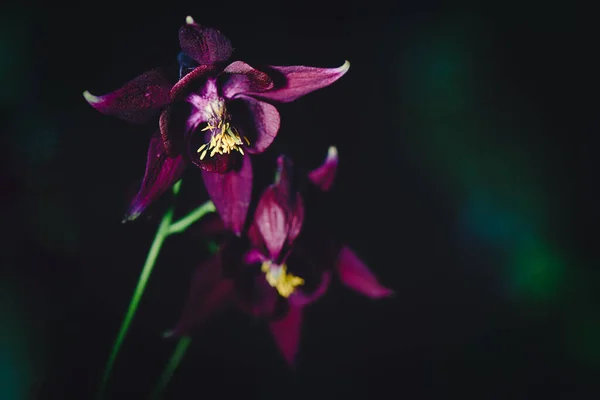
(292, 203)
(161, 173)
(208, 293)
(192, 82)
(138, 100)
(356, 275)
(254, 294)
(296, 81)
(173, 127)
(205, 45)
(324, 175)
(254, 256)
(300, 298)
(257, 120)
(286, 333)
(231, 193)
(240, 78)
(271, 219)
(296, 220)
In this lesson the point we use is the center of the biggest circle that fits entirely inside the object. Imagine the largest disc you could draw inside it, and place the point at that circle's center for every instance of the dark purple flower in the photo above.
(213, 117)
(279, 267)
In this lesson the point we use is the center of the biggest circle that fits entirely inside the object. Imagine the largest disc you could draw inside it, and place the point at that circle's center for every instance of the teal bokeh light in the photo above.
(471, 126)
(19, 351)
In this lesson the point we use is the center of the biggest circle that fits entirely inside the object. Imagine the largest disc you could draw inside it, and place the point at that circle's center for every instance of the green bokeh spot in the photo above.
(538, 271)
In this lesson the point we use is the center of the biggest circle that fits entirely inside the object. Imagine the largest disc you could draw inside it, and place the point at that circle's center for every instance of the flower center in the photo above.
(278, 278)
(224, 137)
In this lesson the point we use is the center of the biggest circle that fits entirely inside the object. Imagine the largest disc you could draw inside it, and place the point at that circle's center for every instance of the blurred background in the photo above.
(468, 182)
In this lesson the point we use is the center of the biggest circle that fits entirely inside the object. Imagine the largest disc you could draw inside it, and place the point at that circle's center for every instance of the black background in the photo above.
(455, 327)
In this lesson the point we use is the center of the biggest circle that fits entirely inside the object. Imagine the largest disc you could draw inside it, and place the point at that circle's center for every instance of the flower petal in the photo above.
(161, 173)
(288, 198)
(173, 123)
(296, 219)
(138, 100)
(193, 81)
(356, 275)
(292, 82)
(209, 291)
(301, 298)
(239, 78)
(231, 193)
(254, 294)
(255, 119)
(286, 332)
(324, 175)
(203, 44)
(271, 219)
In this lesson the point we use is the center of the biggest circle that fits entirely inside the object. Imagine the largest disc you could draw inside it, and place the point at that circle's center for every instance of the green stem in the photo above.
(161, 235)
(185, 222)
(174, 362)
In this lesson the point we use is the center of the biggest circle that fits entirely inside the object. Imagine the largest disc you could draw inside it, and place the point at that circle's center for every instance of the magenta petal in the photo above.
(161, 173)
(297, 81)
(296, 220)
(255, 296)
(231, 194)
(240, 78)
(356, 275)
(209, 292)
(255, 119)
(203, 44)
(286, 333)
(193, 81)
(271, 219)
(324, 175)
(254, 256)
(300, 298)
(137, 101)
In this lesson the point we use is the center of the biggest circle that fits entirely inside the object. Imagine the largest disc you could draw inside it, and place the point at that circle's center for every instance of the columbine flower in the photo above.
(280, 268)
(213, 117)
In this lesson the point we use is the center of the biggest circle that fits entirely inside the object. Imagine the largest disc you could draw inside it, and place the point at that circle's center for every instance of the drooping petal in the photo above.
(256, 120)
(292, 82)
(203, 44)
(209, 292)
(286, 333)
(231, 193)
(138, 100)
(324, 175)
(357, 276)
(161, 173)
(239, 78)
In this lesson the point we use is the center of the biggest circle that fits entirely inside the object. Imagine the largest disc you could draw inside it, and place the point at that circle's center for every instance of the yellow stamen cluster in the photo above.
(224, 137)
(278, 278)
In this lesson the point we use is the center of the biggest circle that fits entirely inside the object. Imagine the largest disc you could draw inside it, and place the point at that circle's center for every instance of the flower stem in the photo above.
(185, 222)
(174, 362)
(164, 230)
(161, 235)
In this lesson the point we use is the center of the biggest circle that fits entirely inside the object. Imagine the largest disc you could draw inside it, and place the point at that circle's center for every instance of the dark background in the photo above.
(468, 174)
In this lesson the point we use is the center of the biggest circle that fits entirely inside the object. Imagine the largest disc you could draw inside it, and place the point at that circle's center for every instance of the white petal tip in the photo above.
(346, 66)
(189, 20)
(90, 98)
(332, 153)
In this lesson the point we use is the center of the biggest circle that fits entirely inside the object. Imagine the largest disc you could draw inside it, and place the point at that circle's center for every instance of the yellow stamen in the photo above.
(278, 278)
(224, 137)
